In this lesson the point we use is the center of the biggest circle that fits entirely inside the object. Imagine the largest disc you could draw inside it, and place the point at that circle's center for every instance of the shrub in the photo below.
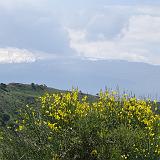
(3, 86)
(66, 127)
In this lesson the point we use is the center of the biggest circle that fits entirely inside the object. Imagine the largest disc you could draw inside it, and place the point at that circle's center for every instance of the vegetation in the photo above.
(66, 126)
(15, 95)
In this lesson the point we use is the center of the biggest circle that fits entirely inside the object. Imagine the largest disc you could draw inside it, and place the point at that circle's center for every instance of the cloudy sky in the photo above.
(61, 36)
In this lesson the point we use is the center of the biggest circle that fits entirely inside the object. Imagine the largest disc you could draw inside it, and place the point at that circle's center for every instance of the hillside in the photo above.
(16, 95)
(67, 127)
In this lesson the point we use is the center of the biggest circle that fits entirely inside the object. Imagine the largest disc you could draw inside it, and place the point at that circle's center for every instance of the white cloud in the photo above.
(149, 10)
(15, 4)
(16, 55)
(138, 40)
(125, 32)
(143, 28)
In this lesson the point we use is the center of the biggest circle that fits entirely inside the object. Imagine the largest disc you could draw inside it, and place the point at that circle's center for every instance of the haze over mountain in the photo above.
(89, 76)
(90, 44)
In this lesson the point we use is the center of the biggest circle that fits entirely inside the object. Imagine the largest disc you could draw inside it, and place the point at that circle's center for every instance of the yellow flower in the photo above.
(49, 138)
(52, 126)
(94, 152)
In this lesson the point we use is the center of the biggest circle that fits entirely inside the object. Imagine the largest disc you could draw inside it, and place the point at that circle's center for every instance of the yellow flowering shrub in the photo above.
(64, 126)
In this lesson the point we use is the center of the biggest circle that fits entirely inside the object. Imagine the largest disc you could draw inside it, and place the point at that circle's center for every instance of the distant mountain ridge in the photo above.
(90, 76)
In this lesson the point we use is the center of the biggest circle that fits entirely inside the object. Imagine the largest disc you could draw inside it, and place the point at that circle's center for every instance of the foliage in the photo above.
(3, 86)
(16, 95)
(65, 127)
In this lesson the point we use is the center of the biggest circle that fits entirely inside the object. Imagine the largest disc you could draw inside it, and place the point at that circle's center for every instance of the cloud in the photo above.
(13, 55)
(32, 25)
(137, 39)
(16, 55)
(102, 30)
(16, 4)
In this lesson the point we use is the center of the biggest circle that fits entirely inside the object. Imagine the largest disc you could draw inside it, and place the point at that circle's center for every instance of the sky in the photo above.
(50, 41)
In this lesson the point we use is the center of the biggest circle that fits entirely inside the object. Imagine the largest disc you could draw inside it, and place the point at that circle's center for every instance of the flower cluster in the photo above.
(126, 125)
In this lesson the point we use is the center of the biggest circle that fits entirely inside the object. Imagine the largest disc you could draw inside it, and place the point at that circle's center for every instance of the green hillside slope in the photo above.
(16, 95)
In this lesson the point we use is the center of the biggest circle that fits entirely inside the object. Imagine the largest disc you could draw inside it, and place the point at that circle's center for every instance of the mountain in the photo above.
(90, 76)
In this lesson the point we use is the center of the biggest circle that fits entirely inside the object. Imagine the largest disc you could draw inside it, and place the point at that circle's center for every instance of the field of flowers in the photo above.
(64, 126)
